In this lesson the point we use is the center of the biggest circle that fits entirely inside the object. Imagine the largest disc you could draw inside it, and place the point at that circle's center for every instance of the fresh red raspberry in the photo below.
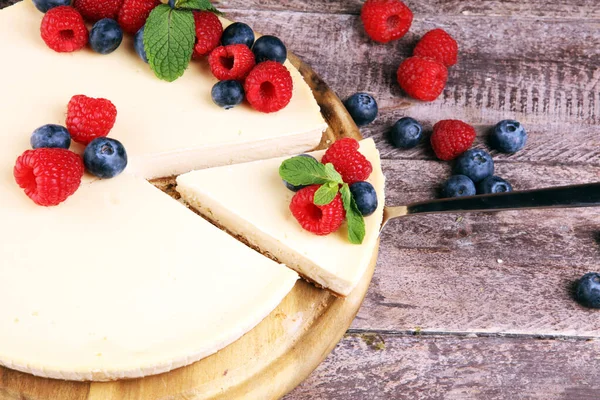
(233, 62)
(386, 20)
(348, 161)
(63, 29)
(134, 13)
(95, 10)
(269, 87)
(451, 138)
(89, 118)
(49, 176)
(208, 33)
(320, 220)
(422, 79)
(439, 46)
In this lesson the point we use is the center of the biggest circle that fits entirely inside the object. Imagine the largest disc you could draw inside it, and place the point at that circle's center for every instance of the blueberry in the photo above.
(588, 290)
(458, 186)
(138, 44)
(476, 164)
(172, 3)
(406, 133)
(51, 136)
(105, 158)
(106, 36)
(238, 33)
(228, 94)
(493, 184)
(508, 136)
(45, 5)
(269, 48)
(365, 196)
(298, 188)
(362, 107)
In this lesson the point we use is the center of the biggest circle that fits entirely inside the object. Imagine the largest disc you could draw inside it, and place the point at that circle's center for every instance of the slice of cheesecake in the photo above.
(250, 201)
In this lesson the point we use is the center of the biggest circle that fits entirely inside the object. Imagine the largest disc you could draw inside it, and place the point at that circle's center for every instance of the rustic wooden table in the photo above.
(476, 306)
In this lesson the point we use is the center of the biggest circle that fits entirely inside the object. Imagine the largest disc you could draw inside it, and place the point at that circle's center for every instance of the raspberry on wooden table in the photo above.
(49, 176)
(386, 20)
(64, 30)
(422, 79)
(233, 62)
(320, 220)
(208, 33)
(89, 118)
(439, 46)
(134, 13)
(95, 10)
(348, 161)
(269, 87)
(451, 138)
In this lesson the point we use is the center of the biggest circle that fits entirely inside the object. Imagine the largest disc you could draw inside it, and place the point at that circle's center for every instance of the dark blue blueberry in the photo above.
(476, 164)
(458, 186)
(508, 136)
(172, 3)
(269, 48)
(138, 44)
(45, 5)
(51, 136)
(406, 133)
(298, 188)
(588, 290)
(493, 184)
(105, 158)
(365, 196)
(238, 33)
(362, 108)
(228, 94)
(106, 36)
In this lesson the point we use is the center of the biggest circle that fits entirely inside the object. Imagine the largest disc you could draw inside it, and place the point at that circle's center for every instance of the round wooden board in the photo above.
(267, 362)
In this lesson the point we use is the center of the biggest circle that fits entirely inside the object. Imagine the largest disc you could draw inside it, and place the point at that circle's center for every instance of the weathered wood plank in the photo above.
(434, 368)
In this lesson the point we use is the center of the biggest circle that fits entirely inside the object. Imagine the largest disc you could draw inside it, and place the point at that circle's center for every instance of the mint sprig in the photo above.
(326, 193)
(356, 221)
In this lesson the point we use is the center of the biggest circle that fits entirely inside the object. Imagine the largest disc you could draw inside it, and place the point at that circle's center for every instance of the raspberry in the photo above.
(95, 10)
(134, 13)
(233, 62)
(208, 33)
(63, 29)
(439, 46)
(348, 161)
(89, 118)
(49, 176)
(422, 79)
(386, 20)
(269, 87)
(320, 220)
(451, 138)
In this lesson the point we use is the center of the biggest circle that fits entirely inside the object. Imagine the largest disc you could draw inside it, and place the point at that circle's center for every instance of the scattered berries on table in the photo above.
(63, 30)
(89, 118)
(362, 108)
(458, 186)
(406, 133)
(386, 20)
(365, 196)
(493, 184)
(352, 165)
(297, 188)
(95, 10)
(320, 220)
(588, 290)
(231, 62)
(48, 176)
(228, 94)
(451, 138)
(477, 164)
(438, 45)
(106, 36)
(508, 136)
(134, 13)
(269, 48)
(269, 87)
(105, 158)
(138, 44)
(51, 136)
(422, 79)
(238, 33)
(45, 5)
(208, 33)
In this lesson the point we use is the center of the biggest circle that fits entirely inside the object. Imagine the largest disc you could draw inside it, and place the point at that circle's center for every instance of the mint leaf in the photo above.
(356, 222)
(333, 175)
(307, 171)
(326, 194)
(169, 39)
(202, 5)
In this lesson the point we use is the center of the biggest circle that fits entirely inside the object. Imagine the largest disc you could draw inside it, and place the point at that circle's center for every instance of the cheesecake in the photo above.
(250, 201)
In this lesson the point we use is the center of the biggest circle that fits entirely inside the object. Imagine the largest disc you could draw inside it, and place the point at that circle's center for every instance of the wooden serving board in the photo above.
(267, 362)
